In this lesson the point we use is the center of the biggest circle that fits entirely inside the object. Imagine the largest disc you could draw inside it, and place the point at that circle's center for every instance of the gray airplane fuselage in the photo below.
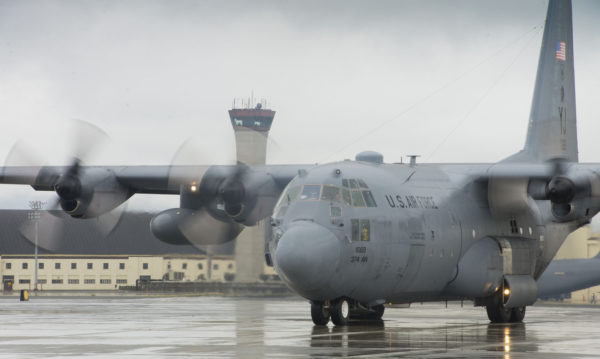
(406, 246)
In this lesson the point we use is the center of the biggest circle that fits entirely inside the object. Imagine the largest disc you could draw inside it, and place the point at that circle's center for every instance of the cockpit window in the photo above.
(353, 183)
(362, 184)
(368, 196)
(346, 194)
(357, 199)
(282, 211)
(345, 182)
(289, 195)
(311, 192)
(330, 193)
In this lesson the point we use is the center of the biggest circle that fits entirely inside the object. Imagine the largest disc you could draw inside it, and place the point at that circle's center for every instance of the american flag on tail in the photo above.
(561, 51)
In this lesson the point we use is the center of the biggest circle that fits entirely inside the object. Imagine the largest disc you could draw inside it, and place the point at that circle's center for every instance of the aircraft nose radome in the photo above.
(307, 255)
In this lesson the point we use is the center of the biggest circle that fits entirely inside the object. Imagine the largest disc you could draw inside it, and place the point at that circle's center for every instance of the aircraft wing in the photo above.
(568, 186)
(88, 191)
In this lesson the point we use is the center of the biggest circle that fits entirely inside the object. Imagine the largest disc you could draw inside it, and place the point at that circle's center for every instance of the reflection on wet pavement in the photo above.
(281, 328)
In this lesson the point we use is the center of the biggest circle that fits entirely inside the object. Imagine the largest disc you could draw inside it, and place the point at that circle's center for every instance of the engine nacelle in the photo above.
(186, 226)
(93, 192)
(519, 291)
(232, 193)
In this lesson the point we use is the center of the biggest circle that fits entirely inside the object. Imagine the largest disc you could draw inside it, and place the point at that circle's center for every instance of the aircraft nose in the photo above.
(307, 256)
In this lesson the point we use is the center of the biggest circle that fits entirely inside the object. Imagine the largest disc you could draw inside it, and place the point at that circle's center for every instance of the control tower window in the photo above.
(330, 193)
(311, 192)
(357, 199)
(368, 196)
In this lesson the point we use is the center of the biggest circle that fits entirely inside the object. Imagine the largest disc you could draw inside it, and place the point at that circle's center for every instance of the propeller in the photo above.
(87, 140)
(202, 218)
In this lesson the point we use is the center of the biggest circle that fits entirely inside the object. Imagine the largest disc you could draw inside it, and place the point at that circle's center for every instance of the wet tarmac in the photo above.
(216, 327)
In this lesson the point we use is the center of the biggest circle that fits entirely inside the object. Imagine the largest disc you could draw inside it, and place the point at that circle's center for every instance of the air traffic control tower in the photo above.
(251, 123)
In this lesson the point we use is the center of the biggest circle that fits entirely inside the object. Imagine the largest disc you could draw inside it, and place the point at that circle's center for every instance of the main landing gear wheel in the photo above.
(340, 312)
(319, 311)
(377, 312)
(497, 313)
(517, 315)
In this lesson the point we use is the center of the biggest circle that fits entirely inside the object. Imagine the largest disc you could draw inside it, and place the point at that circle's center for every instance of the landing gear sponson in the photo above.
(342, 310)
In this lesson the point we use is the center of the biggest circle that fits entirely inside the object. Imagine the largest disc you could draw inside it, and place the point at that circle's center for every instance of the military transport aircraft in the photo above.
(564, 276)
(350, 236)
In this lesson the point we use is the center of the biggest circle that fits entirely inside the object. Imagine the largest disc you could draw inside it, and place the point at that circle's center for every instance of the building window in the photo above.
(73, 266)
(56, 266)
(41, 265)
(24, 281)
(121, 265)
(200, 266)
(121, 281)
(145, 266)
(24, 266)
(104, 281)
(90, 266)
(73, 281)
(105, 265)
(230, 266)
(89, 281)
(215, 266)
(57, 281)
(42, 281)
(8, 265)
(184, 266)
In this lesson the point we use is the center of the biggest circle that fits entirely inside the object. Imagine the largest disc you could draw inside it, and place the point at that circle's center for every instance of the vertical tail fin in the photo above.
(552, 131)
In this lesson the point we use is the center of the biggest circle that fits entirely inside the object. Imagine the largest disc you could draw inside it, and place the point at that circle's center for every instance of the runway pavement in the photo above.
(217, 327)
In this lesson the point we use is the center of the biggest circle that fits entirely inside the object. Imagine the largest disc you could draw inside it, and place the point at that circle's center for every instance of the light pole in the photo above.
(34, 216)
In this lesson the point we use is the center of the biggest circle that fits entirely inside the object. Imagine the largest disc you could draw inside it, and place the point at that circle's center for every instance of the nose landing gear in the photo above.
(342, 311)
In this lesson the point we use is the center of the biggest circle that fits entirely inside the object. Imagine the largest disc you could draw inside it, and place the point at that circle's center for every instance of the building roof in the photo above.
(66, 235)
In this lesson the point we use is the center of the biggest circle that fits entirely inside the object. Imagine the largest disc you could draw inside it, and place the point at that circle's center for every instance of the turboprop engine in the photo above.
(214, 209)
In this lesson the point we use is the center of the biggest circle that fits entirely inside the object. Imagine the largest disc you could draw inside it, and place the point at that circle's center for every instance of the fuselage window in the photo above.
(355, 230)
(346, 195)
(330, 193)
(368, 196)
(336, 211)
(365, 229)
(361, 230)
(311, 192)
(362, 184)
(357, 199)
(353, 183)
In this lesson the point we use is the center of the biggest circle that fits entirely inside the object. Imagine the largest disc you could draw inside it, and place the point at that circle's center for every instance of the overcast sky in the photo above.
(451, 81)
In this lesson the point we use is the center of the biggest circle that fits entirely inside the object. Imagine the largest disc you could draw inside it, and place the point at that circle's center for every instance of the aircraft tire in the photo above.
(377, 312)
(517, 315)
(340, 312)
(319, 313)
(496, 311)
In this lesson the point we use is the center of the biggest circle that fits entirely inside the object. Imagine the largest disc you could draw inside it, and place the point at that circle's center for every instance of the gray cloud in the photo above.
(153, 73)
